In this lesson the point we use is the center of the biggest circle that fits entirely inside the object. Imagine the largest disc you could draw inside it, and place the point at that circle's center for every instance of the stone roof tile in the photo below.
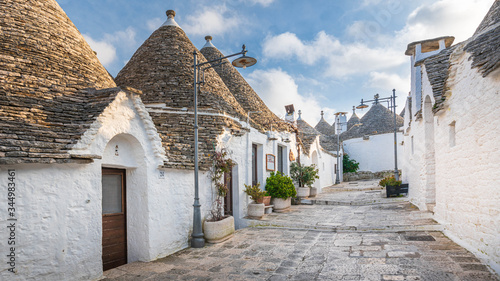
(163, 69)
(378, 120)
(263, 118)
(46, 68)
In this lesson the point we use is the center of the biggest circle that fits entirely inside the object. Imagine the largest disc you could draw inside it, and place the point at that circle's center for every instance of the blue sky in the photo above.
(316, 54)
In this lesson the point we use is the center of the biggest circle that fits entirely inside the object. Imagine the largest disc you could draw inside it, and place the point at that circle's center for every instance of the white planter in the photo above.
(313, 192)
(303, 192)
(256, 210)
(218, 231)
(281, 205)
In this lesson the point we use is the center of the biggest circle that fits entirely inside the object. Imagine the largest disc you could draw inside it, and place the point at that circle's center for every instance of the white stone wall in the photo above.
(376, 153)
(467, 159)
(240, 150)
(59, 207)
(58, 233)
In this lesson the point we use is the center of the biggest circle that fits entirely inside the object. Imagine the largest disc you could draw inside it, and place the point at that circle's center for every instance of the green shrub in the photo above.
(390, 180)
(255, 192)
(279, 186)
(349, 165)
(303, 175)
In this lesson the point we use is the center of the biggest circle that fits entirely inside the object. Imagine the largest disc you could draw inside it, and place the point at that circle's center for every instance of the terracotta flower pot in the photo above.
(266, 200)
(218, 231)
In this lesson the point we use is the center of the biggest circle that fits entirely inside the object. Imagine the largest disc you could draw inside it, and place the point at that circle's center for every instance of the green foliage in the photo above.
(221, 164)
(390, 180)
(279, 186)
(255, 192)
(349, 165)
(303, 175)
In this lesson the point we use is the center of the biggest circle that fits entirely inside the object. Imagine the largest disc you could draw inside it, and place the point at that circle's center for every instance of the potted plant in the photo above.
(304, 176)
(255, 209)
(281, 189)
(266, 199)
(393, 187)
(219, 227)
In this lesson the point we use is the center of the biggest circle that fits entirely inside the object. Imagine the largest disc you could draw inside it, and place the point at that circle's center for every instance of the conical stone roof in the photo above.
(323, 127)
(45, 65)
(162, 68)
(243, 92)
(378, 120)
(307, 134)
(352, 121)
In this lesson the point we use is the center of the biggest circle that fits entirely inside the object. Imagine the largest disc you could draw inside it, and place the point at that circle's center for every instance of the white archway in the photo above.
(124, 151)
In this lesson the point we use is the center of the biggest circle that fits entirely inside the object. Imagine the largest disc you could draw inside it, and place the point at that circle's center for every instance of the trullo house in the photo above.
(83, 154)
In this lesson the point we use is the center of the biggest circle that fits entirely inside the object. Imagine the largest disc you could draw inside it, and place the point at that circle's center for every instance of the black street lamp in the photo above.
(392, 107)
(198, 241)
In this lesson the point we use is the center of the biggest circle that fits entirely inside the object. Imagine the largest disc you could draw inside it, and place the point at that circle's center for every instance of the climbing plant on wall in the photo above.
(350, 165)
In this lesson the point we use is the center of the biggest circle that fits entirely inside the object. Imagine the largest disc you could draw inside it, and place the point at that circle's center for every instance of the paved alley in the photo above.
(349, 232)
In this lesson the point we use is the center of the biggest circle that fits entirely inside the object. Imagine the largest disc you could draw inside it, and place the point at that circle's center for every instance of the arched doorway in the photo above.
(429, 156)
(124, 202)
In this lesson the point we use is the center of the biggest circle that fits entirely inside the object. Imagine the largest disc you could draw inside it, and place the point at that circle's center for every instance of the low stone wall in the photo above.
(367, 175)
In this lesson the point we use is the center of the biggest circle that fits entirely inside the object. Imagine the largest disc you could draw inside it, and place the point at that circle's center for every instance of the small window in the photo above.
(412, 146)
(452, 134)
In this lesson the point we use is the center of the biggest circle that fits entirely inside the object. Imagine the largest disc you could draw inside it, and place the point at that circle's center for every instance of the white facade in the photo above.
(374, 153)
(452, 158)
(59, 206)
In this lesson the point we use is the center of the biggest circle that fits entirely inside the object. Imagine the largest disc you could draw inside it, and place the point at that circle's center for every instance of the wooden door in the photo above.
(228, 199)
(254, 165)
(114, 218)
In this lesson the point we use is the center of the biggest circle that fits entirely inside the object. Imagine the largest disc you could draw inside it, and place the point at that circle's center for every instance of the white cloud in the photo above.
(105, 48)
(376, 51)
(106, 52)
(443, 18)
(383, 80)
(122, 37)
(264, 3)
(154, 23)
(215, 20)
(326, 51)
(277, 89)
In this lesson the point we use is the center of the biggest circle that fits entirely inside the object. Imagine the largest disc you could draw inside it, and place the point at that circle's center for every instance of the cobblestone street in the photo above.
(351, 232)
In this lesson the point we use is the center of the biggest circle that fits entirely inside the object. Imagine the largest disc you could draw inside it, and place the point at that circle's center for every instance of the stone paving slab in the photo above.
(386, 240)
(283, 254)
(396, 216)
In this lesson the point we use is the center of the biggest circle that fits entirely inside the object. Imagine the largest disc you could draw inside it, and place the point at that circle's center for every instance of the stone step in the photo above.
(340, 228)
(354, 203)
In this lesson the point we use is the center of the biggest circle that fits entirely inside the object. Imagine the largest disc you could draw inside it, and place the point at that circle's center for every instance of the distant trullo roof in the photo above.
(323, 126)
(263, 117)
(45, 67)
(352, 121)
(378, 120)
(163, 69)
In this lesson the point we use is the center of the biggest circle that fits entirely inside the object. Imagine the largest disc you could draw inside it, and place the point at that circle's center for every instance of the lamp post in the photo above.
(392, 106)
(339, 130)
(197, 240)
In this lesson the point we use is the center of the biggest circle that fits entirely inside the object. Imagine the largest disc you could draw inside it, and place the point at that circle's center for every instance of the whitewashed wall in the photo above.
(468, 173)
(376, 153)
(467, 159)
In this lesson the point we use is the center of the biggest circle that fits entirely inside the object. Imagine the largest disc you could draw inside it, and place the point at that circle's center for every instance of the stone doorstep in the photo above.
(344, 189)
(354, 203)
(334, 228)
